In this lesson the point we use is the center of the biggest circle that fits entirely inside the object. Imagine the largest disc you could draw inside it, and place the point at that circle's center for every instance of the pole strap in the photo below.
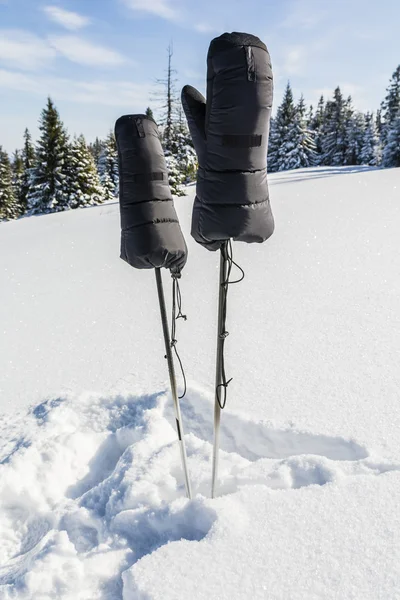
(228, 262)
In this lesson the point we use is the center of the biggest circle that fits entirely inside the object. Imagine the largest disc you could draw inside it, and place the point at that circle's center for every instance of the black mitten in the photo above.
(230, 135)
(151, 235)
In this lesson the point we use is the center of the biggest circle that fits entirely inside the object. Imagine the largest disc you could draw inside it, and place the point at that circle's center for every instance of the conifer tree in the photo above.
(149, 113)
(334, 130)
(378, 122)
(185, 152)
(371, 150)
(84, 188)
(108, 168)
(96, 149)
(171, 130)
(175, 176)
(300, 144)
(391, 153)
(391, 104)
(8, 204)
(167, 100)
(273, 142)
(316, 126)
(310, 116)
(173, 152)
(354, 135)
(279, 139)
(28, 157)
(180, 156)
(18, 172)
(47, 183)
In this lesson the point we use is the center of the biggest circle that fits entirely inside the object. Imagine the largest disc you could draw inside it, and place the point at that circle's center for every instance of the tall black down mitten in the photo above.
(151, 235)
(230, 134)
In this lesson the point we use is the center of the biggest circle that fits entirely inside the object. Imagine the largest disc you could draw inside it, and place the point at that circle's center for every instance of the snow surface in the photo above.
(92, 502)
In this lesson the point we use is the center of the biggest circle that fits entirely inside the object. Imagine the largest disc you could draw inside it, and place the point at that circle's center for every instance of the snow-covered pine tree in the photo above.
(183, 145)
(354, 134)
(180, 156)
(371, 150)
(379, 123)
(96, 149)
(300, 144)
(83, 183)
(270, 157)
(18, 181)
(391, 104)
(316, 126)
(310, 116)
(279, 140)
(176, 176)
(334, 130)
(108, 167)
(8, 203)
(391, 152)
(28, 157)
(47, 183)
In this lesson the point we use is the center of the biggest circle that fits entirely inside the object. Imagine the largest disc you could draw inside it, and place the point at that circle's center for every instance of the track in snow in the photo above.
(90, 485)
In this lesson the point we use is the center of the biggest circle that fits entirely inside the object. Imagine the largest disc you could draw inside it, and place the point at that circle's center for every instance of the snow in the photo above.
(92, 502)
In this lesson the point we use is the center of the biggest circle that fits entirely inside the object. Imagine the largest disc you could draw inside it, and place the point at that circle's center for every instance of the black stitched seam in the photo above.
(145, 201)
(154, 222)
(228, 172)
(233, 205)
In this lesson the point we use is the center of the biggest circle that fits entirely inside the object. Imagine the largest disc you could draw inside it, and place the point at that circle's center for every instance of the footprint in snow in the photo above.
(256, 453)
(98, 481)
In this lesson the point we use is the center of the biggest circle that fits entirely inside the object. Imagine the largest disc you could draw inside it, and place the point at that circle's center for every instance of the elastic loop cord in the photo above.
(227, 255)
(177, 303)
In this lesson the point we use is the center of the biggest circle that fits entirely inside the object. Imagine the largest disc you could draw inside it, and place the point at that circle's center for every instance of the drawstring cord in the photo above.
(227, 254)
(177, 304)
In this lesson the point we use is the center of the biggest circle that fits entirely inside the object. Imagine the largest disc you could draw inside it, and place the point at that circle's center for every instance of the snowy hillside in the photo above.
(92, 503)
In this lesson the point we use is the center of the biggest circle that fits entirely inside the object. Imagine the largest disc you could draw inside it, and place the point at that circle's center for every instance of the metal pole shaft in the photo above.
(172, 379)
(223, 268)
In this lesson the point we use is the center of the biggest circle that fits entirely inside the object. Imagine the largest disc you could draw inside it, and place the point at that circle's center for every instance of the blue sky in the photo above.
(99, 59)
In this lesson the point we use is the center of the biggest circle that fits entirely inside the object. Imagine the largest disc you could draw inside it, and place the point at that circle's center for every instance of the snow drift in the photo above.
(92, 501)
(91, 485)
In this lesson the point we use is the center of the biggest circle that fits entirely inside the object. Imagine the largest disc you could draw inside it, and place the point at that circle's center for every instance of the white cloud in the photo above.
(83, 52)
(24, 50)
(160, 8)
(97, 92)
(294, 60)
(205, 28)
(66, 18)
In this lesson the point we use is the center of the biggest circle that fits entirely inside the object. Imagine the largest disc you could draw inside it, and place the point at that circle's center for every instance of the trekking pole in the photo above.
(221, 335)
(232, 197)
(150, 233)
(172, 378)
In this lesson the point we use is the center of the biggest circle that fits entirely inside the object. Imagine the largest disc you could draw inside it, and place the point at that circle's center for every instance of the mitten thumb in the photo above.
(194, 105)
